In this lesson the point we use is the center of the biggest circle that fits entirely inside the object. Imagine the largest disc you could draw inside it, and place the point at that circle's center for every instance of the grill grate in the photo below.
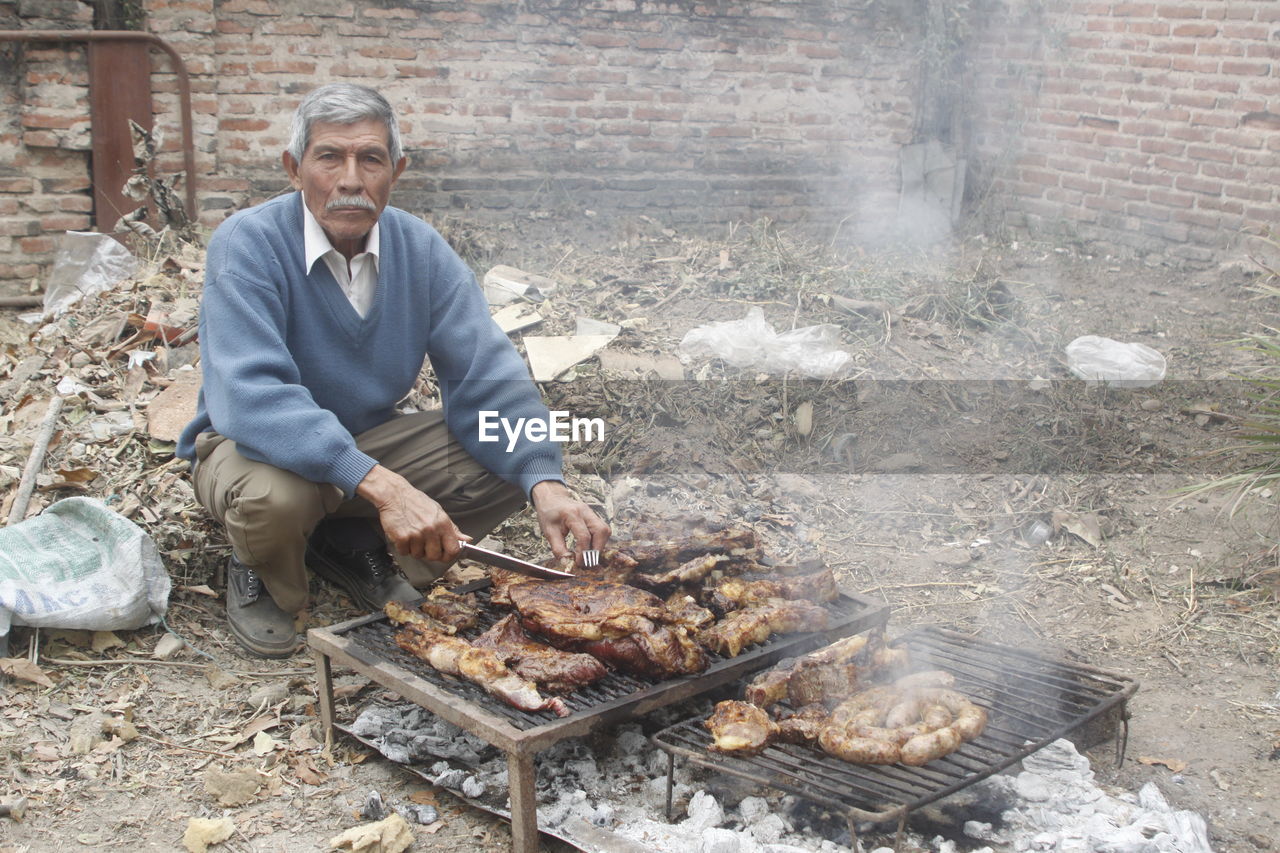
(1031, 701)
(848, 615)
(366, 645)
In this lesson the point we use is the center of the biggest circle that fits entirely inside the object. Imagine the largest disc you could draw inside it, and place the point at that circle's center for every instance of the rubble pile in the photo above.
(125, 364)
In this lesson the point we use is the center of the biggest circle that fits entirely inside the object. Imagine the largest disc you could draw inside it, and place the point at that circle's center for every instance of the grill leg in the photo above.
(324, 671)
(521, 777)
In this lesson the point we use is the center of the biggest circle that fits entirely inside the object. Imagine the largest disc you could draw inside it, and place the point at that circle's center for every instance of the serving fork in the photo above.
(590, 559)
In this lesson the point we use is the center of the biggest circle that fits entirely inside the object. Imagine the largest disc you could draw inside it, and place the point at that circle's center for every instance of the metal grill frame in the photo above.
(1000, 678)
(521, 735)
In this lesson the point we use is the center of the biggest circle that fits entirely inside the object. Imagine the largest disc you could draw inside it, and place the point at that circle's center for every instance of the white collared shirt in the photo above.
(358, 280)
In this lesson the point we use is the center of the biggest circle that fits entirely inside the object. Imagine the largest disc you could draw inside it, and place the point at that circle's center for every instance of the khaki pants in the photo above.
(268, 513)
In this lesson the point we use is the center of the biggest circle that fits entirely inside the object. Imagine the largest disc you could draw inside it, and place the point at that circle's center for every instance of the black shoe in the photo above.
(255, 620)
(353, 557)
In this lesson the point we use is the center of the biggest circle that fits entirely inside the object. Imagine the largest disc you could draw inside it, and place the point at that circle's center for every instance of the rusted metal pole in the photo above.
(179, 67)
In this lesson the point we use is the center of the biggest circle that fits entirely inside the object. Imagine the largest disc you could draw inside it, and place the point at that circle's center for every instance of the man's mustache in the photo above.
(351, 201)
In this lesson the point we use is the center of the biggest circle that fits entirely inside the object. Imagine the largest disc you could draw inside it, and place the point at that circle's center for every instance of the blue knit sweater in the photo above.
(291, 372)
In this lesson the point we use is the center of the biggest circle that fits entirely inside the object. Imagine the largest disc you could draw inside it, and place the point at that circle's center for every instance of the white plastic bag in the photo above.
(1118, 364)
(85, 264)
(80, 565)
(753, 344)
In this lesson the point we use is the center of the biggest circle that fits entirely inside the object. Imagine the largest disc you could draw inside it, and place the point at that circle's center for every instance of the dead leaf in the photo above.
(23, 669)
(390, 835)
(303, 738)
(1087, 527)
(346, 691)
(77, 475)
(103, 640)
(433, 828)
(234, 788)
(263, 743)
(305, 769)
(200, 589)
(423, 798)
(1174, 764)
(202, 832)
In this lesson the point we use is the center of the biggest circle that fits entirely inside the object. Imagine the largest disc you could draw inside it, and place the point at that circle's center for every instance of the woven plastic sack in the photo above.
(80, 565)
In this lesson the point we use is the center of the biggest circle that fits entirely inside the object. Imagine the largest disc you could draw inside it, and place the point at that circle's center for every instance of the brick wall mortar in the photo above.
(1173, 104)
(690, 108)
(1145, 125)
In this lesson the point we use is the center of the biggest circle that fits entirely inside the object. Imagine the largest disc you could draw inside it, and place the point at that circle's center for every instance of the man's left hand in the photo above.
(560, 514)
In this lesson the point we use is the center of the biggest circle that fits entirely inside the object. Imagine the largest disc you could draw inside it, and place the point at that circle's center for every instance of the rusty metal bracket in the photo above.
(179, 67)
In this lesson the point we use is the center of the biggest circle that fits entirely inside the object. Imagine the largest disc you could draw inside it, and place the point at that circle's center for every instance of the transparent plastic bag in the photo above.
(752, 343)
(86, 264)
(1122, 365)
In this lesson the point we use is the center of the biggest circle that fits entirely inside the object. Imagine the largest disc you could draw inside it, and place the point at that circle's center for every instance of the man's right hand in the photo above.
(414, 524)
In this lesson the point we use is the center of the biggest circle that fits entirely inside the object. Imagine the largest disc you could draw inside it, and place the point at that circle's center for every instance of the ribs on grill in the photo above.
(658, 557)
(552, 669)
(620, 625)
(458, 612)
(427, 640)
(743, 628)
(753, 589)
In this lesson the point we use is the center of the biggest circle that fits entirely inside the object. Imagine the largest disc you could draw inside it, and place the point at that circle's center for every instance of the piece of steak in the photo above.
(554, 670)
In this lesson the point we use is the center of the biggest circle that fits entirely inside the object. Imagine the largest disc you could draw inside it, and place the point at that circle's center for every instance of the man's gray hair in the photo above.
(342, 103)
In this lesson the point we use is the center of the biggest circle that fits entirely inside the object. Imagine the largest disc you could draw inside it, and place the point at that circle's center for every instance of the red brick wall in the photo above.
(44, 139)
(1147, 124)
(697, 112)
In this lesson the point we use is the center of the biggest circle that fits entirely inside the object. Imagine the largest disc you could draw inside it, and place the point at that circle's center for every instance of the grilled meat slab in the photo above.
(421, 636)
(740, 728)
(753, 589)
(459, 612)
(552, 669)
(621, 625)
(657, 557)
(743, 628)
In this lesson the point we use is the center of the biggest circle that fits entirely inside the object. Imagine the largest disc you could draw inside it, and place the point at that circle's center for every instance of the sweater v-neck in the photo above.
(338, 304)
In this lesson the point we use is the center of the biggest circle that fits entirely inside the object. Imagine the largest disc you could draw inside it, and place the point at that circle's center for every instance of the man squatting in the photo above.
(319, 307)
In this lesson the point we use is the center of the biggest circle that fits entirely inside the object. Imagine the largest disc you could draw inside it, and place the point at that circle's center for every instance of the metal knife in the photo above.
(502, 561)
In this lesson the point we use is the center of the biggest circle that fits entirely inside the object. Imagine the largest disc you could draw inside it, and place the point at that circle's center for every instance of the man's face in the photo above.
(346, 175)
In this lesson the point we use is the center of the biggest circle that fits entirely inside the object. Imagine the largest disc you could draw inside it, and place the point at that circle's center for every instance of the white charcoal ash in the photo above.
(417, 813)
(1058, 807)
(617, 781)
(408, 734)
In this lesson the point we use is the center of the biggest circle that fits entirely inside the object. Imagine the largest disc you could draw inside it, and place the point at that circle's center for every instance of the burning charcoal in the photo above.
(769, 829)
(632, 742)
(585, 770)
(449, 779)
(373, 808)
(603, 815)
(753, 809)
(420, 814)
(704, 811)
(716, 840)
(472, 787)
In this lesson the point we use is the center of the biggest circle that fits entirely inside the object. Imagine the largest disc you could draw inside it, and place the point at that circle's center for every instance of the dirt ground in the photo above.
(920, 483)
